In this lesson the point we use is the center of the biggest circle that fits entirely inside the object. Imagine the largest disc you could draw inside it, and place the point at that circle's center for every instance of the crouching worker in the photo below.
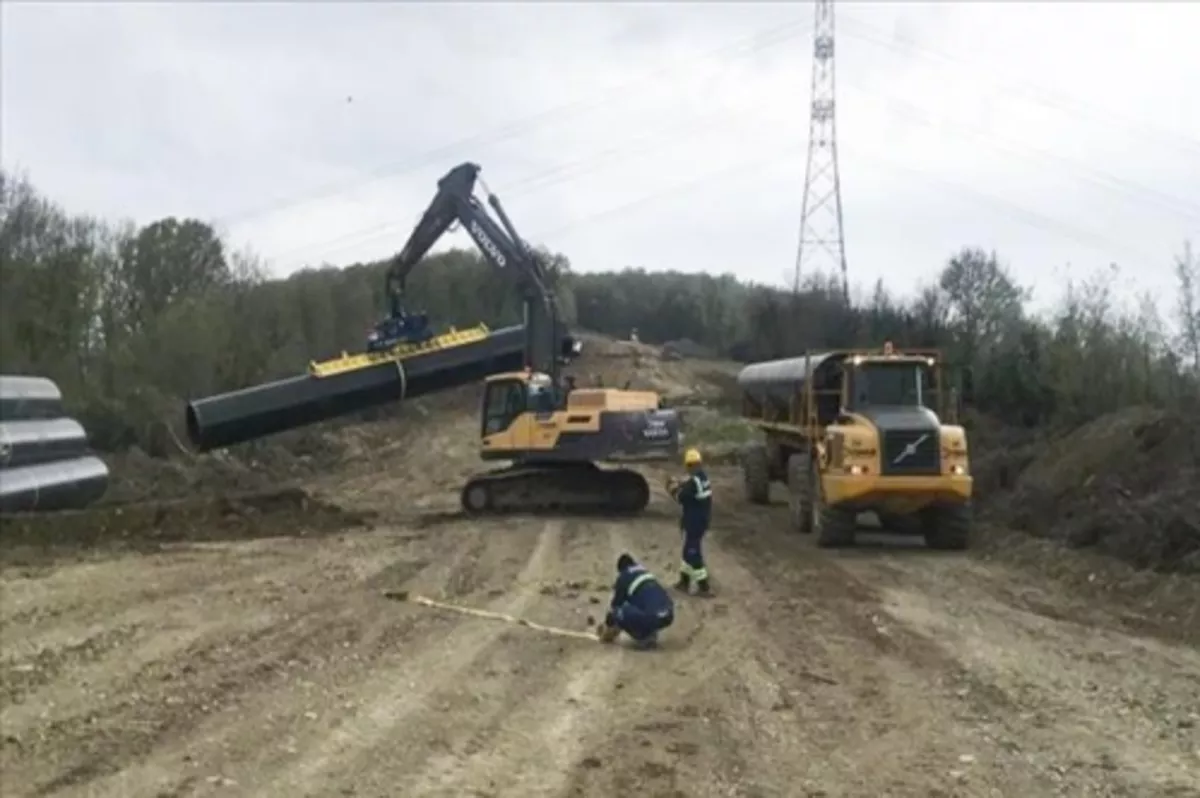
(641, 607)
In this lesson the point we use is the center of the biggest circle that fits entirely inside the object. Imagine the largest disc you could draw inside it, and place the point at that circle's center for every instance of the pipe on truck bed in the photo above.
(251, 413)
(778, 380)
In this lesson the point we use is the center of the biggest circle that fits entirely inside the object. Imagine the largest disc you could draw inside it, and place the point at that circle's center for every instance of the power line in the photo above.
(740, 168)
(555, 175)
(1096, 177)
(563, 173)
(1030, 218)
(552, 177)
(749, 45)
(1039, 94)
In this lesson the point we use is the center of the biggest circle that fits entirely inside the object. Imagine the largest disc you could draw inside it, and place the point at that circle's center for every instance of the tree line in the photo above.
(131, 320)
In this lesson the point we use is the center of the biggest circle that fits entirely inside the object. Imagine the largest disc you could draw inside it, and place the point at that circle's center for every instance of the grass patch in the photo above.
(705, 427)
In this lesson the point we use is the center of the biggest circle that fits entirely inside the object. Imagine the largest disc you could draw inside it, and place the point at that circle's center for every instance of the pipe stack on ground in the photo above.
(251, 413)
(45, 460)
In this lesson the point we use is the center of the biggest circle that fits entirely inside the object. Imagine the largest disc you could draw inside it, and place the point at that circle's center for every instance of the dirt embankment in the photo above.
(1123, 485)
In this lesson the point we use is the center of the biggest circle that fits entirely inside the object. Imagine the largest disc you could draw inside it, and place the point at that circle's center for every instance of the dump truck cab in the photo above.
(857, 431)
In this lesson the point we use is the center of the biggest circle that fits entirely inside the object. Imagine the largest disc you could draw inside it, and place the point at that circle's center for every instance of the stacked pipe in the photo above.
(45, 460)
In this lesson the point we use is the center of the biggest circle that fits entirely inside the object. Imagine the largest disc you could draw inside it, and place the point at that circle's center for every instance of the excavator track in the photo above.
(573, 488)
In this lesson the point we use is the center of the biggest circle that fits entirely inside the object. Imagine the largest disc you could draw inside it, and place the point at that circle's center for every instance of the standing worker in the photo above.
(640, 606)
(694, 494)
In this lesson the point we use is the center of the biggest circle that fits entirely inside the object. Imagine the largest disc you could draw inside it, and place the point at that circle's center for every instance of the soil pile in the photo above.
(1124, 484)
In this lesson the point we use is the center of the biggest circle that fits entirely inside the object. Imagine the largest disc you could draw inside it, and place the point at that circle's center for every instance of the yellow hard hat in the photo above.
(691, 457)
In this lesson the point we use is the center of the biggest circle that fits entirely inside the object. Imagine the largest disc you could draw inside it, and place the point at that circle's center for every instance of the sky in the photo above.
(1064, 136)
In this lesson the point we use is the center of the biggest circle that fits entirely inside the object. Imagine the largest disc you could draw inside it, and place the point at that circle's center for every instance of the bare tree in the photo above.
(1187, 272)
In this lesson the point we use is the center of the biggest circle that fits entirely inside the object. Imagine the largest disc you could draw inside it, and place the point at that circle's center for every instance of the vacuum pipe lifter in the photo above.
(552, 446)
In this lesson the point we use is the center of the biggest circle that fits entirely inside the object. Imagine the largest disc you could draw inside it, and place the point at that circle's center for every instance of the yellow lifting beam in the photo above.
(399, 352)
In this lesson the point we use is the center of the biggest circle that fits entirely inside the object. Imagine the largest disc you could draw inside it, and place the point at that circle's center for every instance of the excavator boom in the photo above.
(501, 246)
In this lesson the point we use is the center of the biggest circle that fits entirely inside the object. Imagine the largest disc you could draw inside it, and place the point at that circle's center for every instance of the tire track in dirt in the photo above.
(191, 665)
(400, 693)
(236, 743)
(212, 694)
(139, 593)
(1136, 702)
(559, 694)
(820, 641)
(675, 727)
(181, 620)
(124, 582)
(921, 652)
(534, 737)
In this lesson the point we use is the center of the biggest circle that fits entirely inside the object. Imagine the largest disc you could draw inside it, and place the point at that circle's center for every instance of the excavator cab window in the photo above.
(503, 402)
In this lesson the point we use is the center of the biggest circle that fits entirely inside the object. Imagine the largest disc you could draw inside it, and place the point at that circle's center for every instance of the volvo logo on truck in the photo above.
(489, 246)
(910, 449)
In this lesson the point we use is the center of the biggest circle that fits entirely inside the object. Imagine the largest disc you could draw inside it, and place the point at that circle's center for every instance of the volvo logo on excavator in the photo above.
(489, 246)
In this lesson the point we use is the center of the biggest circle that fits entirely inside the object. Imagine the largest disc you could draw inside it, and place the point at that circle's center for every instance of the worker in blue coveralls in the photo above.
(640, 607)
(694, 494)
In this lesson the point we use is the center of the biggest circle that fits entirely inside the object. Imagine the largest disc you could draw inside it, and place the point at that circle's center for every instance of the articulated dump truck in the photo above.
(850, 432)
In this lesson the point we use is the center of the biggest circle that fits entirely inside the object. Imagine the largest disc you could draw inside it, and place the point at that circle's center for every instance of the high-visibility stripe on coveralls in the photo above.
(638, 582)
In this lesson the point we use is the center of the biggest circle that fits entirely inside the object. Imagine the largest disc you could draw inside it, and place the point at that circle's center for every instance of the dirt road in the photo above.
(274, 666)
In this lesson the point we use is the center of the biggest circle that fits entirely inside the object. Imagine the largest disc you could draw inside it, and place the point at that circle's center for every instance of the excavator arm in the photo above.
(501, 246)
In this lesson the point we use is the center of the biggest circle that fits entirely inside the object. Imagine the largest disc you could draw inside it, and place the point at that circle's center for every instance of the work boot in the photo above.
(704, 588)
(684, 584)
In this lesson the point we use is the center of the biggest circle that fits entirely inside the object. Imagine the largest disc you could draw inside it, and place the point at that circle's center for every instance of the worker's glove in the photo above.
(672, 485)
(606, 633)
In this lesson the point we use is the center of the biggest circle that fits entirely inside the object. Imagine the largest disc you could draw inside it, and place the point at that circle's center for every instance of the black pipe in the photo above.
(239, 416)
(25, 398)
(62, 485)
(25, 443)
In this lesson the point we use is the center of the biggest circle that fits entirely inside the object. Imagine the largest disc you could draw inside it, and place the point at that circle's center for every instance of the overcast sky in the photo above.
(667, 136)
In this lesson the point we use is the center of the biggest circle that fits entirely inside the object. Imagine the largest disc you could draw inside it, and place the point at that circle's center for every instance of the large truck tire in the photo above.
(800, 492)
(836, 527)
(756, 473)
(948, 527)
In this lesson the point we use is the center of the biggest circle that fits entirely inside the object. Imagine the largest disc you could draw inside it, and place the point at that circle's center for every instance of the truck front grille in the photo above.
(911, 453)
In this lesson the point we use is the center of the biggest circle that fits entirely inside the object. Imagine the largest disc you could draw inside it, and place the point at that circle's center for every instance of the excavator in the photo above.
(552, 434)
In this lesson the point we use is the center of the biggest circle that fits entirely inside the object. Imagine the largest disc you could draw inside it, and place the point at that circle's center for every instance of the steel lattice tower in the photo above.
(822, 241)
